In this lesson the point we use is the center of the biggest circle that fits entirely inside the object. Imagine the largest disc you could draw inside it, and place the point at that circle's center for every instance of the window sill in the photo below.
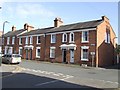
(84, 59)
(52, 57)
(38, 43)
(37, 56)
(71, 42)
(85, 42)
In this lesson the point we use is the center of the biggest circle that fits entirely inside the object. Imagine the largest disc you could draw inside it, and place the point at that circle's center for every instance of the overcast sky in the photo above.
(42, 14)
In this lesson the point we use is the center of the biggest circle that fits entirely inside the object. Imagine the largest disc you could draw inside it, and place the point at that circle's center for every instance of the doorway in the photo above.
(64, 55)
(26, 54)
(71, 56)
(30, 54)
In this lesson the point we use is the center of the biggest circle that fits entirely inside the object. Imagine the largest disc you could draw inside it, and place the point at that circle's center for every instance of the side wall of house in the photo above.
(104, 50)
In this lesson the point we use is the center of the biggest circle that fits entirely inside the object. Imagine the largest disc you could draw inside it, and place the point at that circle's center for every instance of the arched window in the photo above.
(64, 37)
(71, 37)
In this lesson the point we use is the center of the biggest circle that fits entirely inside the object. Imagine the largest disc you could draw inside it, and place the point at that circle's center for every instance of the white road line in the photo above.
(47, 72)
(46, 83)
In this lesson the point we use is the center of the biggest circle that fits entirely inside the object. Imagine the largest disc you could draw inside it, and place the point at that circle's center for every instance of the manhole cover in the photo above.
(91, 72)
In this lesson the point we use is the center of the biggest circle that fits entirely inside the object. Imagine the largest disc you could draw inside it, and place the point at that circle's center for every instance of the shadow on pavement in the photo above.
(25, 80)
(114, 67)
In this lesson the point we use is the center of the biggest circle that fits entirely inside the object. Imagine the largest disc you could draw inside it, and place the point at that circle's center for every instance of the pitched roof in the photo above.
(13, 33)
(75, 26)
(37, 31)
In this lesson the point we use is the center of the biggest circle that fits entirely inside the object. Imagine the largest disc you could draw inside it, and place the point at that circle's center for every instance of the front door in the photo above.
(26, 54)
(30, 54)
(64, 55)
(71, 56)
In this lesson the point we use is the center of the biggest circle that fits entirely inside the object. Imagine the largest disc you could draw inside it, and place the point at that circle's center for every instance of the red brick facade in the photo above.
(103, 52)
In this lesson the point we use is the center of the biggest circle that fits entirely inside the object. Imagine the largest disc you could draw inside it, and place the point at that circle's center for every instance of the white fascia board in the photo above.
(79, 30)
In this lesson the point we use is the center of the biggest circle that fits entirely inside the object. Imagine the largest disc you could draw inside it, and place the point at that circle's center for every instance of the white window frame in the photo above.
(20, 49)
(37, 39)
(107, 37)
(84, 47)
(26, 40)
(52, 41)
(31, 39)
(83, 41)
(20, 39)
(8, 40)
(13, 40)
(51, 53)
(37, 52)
(70, 38)
(63, 37)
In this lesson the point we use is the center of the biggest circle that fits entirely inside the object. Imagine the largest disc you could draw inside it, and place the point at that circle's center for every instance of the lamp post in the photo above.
(3, 39)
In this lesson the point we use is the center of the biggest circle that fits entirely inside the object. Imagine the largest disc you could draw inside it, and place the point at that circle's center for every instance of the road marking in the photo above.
(47, 72)
(46, 83)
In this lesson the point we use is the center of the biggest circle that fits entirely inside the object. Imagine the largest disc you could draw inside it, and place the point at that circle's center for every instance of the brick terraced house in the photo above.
(90, 42)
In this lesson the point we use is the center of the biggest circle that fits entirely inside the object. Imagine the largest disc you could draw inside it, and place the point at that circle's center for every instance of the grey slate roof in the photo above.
(75, 26)
(13, 33)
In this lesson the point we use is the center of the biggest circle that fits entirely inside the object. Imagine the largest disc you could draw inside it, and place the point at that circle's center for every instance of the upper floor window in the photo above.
(31, 39)
(64, 37)
(71, 37)
(85, 36)
(8, 40)
(53, 38)
(13, 40)
(38, 40)
(26, 41)
(107, 35)
(20, 41)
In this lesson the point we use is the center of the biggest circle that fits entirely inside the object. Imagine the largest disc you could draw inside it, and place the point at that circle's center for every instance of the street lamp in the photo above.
(3, 39)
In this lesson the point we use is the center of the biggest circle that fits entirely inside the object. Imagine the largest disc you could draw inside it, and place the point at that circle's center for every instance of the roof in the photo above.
(37, 31)
(75, 26)
(13, 33)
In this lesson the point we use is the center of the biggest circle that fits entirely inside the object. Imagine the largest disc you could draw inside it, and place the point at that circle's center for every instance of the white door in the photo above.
(71, 56)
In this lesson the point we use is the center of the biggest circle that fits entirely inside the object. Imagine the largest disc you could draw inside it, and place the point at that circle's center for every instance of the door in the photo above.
(30, 54)
(64, 55)
(26, 54)
(72, 56)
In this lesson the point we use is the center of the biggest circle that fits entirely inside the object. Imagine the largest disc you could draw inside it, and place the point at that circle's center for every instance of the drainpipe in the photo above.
(44, 46)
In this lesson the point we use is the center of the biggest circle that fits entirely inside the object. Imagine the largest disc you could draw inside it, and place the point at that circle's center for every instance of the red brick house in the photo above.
(90, 43)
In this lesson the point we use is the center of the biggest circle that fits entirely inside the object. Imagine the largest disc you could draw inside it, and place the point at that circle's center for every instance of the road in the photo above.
(36, 74)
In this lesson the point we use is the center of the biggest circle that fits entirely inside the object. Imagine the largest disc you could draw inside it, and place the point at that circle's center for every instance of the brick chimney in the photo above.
(25, 26)
(13, 28)
(105, 19)
(29, 28)
(58, 22)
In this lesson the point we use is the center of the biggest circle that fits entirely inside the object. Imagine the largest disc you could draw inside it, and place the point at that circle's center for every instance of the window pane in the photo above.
(38, 52)
(39, 39)
(85, 53)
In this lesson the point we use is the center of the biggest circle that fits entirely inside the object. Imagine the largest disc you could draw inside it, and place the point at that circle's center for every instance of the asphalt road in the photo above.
(36, 74)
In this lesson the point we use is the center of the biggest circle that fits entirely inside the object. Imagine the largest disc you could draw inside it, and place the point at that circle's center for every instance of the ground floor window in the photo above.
(52, 52)
(84, 53)
(38, 52)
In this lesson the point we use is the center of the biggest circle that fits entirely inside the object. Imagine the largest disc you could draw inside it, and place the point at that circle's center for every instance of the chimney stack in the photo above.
(58, 22)
(28, 27)
(13, 28)
(105, 18)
